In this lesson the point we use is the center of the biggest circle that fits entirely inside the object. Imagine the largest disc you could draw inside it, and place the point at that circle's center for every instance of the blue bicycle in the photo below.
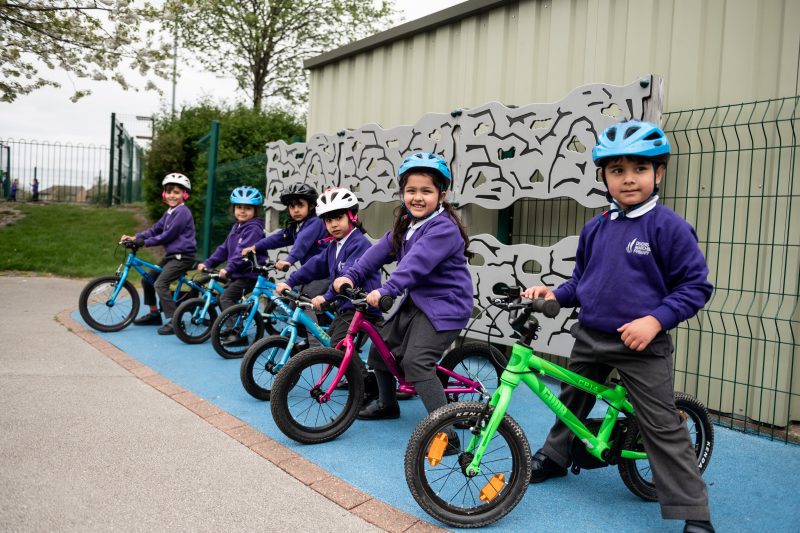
(240, 325)
(110, 303)
(193, 318)
(266, 356)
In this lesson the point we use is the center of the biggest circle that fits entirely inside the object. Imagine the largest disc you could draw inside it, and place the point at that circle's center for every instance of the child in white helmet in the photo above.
(176, 233)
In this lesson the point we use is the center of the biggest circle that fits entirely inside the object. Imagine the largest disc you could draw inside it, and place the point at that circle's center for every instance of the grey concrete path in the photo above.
(85, 445)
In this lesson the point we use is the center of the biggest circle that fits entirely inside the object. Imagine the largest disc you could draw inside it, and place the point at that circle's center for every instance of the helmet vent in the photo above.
(631, 131)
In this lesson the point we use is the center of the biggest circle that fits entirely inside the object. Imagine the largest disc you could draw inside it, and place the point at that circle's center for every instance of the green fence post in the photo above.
(129, 188)
(110, 200)
(212, 175)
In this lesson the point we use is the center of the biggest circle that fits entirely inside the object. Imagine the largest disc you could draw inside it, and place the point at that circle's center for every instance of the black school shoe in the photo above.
(697, 526)
(166, 329)
(377, 411)
(544, 468)
(150, 319)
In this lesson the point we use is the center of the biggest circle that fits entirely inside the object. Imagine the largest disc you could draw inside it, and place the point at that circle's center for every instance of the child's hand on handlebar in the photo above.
(318, 302)
(201, 267)
(338, 282)
(223, 273)
(281, 286)
(374, 298)
(282, 265)
(540, 291)
(249, 250)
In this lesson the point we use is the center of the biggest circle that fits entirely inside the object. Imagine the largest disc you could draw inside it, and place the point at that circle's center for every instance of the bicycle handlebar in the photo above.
(386, 302)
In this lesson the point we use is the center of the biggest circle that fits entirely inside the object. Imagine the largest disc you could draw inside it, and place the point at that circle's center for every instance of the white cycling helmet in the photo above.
(336, 200)
(178, 179)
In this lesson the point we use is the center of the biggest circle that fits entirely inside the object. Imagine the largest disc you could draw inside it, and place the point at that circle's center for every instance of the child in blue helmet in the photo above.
(638, 273)
(430, 247)
(248, 228)
(304, 232)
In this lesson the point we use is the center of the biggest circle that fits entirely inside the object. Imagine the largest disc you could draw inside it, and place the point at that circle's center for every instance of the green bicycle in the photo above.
(486, 479)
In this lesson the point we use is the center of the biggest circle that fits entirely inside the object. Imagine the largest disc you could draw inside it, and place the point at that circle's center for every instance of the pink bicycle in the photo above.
(317, 395)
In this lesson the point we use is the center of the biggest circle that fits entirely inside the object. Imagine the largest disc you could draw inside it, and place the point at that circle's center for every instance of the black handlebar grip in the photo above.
(285, 268)
(344, 288)
(549, 308)
(385, 303)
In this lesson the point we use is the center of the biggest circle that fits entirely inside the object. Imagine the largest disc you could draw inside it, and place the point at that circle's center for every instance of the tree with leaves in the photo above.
(92, 39)
(263, 43)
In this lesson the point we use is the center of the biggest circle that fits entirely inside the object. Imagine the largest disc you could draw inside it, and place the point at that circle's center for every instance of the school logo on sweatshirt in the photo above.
(638, 247)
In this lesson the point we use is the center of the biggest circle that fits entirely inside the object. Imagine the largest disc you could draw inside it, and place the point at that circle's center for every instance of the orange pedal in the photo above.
(437, 448)
(493, 488)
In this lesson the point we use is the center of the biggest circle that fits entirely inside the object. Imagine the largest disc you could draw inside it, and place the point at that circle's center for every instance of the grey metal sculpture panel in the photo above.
(315, 162)
(371, 155)
(539, 150)
(523, 265)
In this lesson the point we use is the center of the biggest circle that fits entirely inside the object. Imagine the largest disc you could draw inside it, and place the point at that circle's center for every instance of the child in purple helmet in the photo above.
(430, 247)
(638, 273)
(245, 202)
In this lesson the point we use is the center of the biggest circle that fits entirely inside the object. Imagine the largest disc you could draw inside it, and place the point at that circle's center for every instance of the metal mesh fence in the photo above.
(734, 177)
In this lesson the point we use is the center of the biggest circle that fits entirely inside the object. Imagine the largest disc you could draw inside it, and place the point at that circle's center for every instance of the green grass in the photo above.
(67, 240)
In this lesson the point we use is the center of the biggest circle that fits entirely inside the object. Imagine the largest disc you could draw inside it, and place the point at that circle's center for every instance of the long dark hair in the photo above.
(403, 220)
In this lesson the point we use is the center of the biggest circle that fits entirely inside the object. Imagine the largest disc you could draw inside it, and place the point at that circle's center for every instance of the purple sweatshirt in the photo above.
(628, 268)
(241, 236)
(328, 265)
(431, 266)
(305, 242)
(174, 231)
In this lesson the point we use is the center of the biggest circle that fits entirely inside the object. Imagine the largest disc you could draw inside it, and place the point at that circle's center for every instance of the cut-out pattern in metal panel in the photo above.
(540, 150)
(371, 155)
(524, 265)
(314, 162)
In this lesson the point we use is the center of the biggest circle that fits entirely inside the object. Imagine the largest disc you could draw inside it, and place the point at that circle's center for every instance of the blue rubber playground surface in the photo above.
(752, 482)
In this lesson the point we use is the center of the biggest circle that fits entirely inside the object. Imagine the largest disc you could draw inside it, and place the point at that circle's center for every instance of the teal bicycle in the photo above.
(111, 303)
(487, 478)
(240, 325)
(264, 359)
(194, 317)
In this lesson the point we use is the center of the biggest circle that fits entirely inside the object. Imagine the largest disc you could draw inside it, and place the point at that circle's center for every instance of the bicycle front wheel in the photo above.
(477, 361)
(101, 312)
(261, 364)
(232, 335)
(191, 324)
(440, 484)
(637, 474)
(295, 404)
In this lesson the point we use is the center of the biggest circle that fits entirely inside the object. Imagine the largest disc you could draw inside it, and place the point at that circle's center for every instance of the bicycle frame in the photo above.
(133, 262)
(348, 345)
(299, 316)
(263, 287)
(522, 368)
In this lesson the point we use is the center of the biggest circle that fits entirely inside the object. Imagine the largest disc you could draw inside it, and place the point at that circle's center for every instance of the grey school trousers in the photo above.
(647, 376)
(172, 269)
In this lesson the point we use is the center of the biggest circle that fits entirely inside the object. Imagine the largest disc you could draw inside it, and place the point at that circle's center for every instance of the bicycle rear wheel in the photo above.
(261, 364)
(477, 361)
(638, 476)
(231, 335)
(102, 314)
(440, 484)
(294, 400)
(191, 324)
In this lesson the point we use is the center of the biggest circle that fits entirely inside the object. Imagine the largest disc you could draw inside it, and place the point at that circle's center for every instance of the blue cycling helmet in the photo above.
(632, 137)
(247, 196)
(427, 161)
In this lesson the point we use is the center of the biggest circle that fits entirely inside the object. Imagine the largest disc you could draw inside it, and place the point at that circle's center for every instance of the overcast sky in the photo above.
(47, 114)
